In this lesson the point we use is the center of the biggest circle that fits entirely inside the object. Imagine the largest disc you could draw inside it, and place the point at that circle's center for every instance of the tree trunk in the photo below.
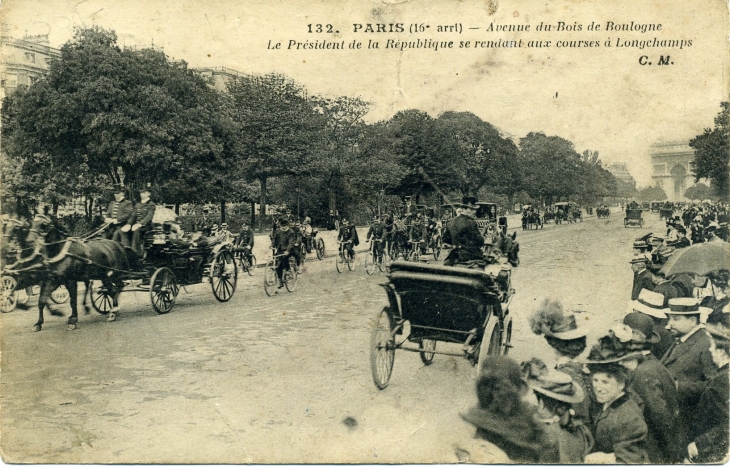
(177, 209)
(262, 202)
(90, 208)
(253, 214)
(223, 211)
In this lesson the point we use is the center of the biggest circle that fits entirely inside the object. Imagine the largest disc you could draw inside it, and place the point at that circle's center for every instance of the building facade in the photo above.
(620, 171)
(671, 168)
(24, 61)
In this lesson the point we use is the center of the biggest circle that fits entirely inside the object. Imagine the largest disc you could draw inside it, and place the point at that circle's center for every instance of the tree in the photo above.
(699, 191)
(551, 166)
(652, 193)
(277, 128)
(712, 153)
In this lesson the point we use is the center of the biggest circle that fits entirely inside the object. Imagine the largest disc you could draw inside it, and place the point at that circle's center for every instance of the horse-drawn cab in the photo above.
(486, 216)
(655, 206)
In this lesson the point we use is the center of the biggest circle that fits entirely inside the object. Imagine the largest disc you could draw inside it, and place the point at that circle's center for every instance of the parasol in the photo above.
(700, 259)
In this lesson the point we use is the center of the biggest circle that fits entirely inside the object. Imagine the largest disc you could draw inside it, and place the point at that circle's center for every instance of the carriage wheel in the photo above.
(369, 264)
(320, 248)
(491, 342)
(223, 275)
(163, 290)
(271, 282)
(9, 295)
(101, 297)
(382, 349)
(340, 261)
(507, 337)
(60, 295)
(427, 345)
(290, 276)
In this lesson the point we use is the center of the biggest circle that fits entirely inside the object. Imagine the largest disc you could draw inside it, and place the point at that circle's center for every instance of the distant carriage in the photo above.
(603, 212)
(567, 211)
(633, 217)
(666, 211)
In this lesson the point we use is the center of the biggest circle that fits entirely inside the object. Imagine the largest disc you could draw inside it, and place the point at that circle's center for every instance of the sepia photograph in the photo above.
(364, 232)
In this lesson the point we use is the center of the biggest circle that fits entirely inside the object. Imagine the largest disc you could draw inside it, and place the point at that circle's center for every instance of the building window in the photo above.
(30, 57)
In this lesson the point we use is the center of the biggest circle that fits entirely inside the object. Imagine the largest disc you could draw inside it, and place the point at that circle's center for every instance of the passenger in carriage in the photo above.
(120, 215)
(463, 234)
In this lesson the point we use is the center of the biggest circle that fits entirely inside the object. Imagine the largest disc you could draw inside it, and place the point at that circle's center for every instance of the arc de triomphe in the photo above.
(671, 169)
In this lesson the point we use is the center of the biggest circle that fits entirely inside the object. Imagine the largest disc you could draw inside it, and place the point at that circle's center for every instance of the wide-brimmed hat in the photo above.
(643, 327)
(683, 306)
(552, 383)
(619, 344)
(650, 303)
(550, 321)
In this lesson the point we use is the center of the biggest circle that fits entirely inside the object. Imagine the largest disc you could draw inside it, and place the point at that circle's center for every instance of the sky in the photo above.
(600, 98)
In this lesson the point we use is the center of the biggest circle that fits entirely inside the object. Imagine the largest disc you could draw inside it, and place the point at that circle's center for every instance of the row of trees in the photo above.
(105, 115)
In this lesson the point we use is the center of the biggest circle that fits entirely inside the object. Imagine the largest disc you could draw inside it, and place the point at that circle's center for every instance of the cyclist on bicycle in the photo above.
(244, 242)
(348, 236)
(307, 233)
(377, 233)
(418, 233)
(284, 241)
(298, 239)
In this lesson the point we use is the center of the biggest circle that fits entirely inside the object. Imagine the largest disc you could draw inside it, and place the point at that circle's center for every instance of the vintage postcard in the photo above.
(153, 151)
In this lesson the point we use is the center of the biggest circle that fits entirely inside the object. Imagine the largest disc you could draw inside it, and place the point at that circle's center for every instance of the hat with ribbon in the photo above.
(552, 383)
(683, 306)
(650, 303)
(621, 343)
(643, 327)
(550, 321)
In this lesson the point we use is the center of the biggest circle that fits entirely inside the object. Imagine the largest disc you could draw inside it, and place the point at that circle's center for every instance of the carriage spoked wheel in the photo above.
(163, 290)
(290, 276)
(271, 282)
(101, 297)
(382, 349)
(427, 347)
(320, 248)
(223, 275)
(9, 295)
(491, 341)
(60, 295)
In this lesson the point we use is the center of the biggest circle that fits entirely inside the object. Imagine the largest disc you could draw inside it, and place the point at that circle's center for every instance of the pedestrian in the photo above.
(654, 385)
(504, 419)
(688, 359)
(619, 429)
(563, 335)
(710, 430)
(652, 304)
(556, 393)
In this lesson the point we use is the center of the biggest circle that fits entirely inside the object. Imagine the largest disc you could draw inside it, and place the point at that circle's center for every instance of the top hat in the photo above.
(683, 306)
(650, 303)
(552, 383)
(621, 343)
(643, 327)
(119, 189)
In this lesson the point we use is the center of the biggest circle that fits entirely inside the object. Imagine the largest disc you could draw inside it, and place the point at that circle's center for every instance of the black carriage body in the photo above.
(442, 303)
(188, 264)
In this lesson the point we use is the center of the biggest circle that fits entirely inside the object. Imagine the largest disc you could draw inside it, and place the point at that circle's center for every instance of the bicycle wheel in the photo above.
(351, 261)
(223, 276)
(251, 265)
(425, 345)
(340, 262)
(271, 282)
(437, 250)
(320, 248)
(369, 264)
(291, 277)
(382, 349)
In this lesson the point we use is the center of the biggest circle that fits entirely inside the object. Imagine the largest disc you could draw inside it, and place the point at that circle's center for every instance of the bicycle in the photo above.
(370, 263)
(415, 254)
(247, 262)
(344, 257)
(289, 275)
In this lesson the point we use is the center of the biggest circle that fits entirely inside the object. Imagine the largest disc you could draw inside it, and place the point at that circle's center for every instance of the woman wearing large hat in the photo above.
(563, 335)
(504, 419)
(556, 392)
(619, 429)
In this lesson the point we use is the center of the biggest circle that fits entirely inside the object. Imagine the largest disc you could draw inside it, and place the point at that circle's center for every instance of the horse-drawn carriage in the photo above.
(633, 217)
(655, 206)
(603, 212)
(430, 304)
(567, 211)
(666, 211)
(531, 217)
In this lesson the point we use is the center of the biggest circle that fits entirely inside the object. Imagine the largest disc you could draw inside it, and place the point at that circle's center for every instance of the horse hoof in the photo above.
(70, 327)
(111, 317)
(36, 328)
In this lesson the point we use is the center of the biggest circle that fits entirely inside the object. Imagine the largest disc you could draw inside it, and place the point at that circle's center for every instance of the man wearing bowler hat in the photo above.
(120, 214)
(463, 234)
(688, 359)
(143, 213)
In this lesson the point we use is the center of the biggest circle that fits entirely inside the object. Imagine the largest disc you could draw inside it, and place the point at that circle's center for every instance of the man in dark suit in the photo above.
(463, 234)
(643, 277)
(144, 211)
(120, 214)
(688, 359)
(203, 224)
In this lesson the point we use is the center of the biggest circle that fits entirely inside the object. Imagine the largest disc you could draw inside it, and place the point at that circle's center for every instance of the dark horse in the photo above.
(69, 260)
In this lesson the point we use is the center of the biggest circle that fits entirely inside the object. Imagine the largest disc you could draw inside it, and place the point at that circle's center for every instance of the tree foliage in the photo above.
(712, 153)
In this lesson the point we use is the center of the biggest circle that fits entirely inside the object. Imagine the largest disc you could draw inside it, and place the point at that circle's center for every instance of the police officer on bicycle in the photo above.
(377, 234)
(348, 235)
(284, 243)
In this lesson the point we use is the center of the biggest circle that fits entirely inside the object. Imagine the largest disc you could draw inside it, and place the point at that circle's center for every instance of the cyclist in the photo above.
(283, 241)
(307, 233)
(298, 239)
(377, 234)
(348, 235)
(418, 232)
(244, 242)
